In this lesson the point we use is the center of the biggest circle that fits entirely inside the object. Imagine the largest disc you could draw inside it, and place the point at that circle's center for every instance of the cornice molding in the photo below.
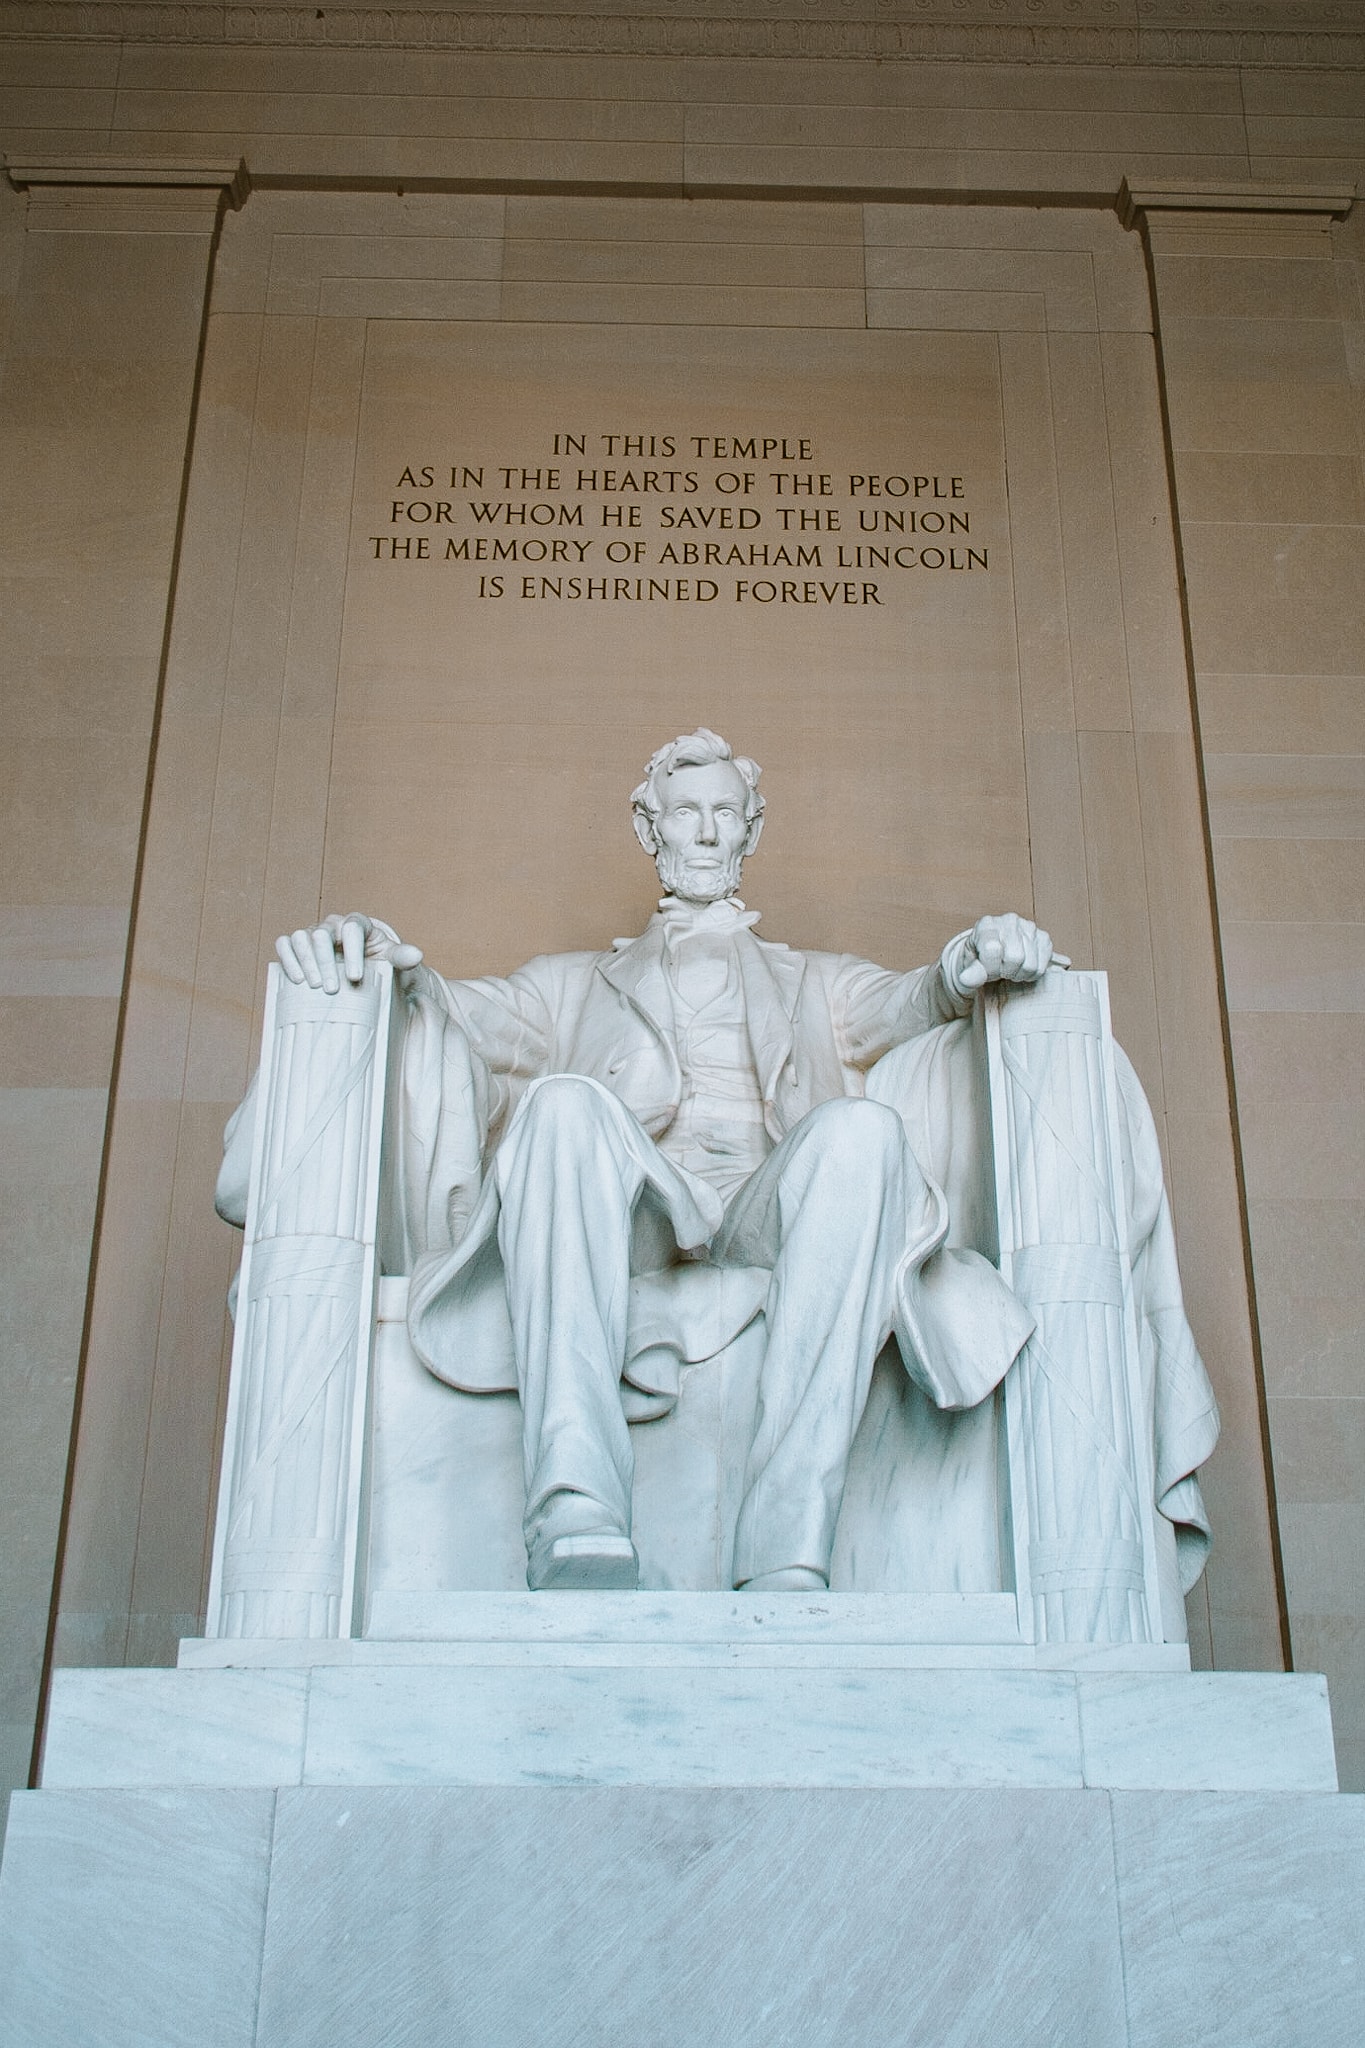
(1278, 34)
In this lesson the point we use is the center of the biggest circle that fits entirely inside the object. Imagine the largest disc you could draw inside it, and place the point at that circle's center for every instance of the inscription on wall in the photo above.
(567, 540)
(656, 517)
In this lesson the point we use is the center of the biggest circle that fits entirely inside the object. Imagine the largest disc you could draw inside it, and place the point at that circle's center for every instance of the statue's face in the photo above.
(703, 832)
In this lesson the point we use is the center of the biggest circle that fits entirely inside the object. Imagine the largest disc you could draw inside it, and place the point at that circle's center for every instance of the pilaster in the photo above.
(1257, 302)
(97, 394)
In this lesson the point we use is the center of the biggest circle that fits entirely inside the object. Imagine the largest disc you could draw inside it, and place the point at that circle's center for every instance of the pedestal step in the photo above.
(936, 1629)
(605, 1714)
(350, 1917)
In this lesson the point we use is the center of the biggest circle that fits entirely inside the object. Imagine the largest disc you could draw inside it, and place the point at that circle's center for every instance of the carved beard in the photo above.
(703, 885)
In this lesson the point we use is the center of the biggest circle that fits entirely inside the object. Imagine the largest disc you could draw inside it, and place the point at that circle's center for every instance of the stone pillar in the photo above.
(106, 265)
(1257, 291)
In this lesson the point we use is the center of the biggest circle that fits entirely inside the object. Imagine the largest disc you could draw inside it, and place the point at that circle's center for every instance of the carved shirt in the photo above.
(814, 1022)
(719, 1132)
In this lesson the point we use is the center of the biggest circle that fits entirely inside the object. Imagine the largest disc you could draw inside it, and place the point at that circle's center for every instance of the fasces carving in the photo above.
(605, 1167)
(1085, 1541)
(287, 1538)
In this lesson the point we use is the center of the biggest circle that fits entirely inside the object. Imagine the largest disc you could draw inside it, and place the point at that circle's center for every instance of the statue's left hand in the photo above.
(1006, 948)
(311, 955)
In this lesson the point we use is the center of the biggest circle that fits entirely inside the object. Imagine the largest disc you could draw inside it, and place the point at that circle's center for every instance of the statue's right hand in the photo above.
(310, 955)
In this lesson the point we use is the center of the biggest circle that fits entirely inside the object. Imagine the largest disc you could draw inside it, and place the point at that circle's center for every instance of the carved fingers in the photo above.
(355, 931)
(307, 955)
(310, 954)
(1005, 948)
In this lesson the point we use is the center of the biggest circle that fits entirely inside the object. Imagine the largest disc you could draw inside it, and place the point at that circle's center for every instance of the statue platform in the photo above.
(683, 1819)
(688, 1689)
(733, 1824)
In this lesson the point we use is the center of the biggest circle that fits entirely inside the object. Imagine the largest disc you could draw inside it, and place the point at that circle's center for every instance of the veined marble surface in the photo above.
(664, 1917)
(364, 1916)
(266, 1655)
(1228, 1723)
(688, 1727)
(133, 1919)
(915, 1631)
(644, 1617)
(131, 1728)
(500, 1718)
(1197, 1873)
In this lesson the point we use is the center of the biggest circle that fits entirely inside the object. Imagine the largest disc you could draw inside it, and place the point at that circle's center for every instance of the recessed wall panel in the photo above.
(568, 546)
(350, 722)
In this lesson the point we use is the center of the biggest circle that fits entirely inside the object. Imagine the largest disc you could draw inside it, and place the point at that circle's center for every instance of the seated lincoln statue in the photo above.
(600, 1135)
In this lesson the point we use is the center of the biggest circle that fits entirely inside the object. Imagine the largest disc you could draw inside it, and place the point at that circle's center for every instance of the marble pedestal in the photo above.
(641, 1917)
(699, 1689)
(682, 1818)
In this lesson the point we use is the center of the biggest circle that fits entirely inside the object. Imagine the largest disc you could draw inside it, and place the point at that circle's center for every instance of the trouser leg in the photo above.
(828, 1212)
(568, 1185)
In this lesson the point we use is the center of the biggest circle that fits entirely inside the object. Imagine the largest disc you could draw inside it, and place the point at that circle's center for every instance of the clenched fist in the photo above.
(1005, 948)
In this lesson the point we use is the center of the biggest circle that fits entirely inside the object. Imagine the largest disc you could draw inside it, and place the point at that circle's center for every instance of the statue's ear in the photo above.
(644, 832)
(755, 833)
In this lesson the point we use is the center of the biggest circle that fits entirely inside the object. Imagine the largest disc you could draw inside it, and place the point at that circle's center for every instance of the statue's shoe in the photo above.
(601, 1561)
(793, 1578)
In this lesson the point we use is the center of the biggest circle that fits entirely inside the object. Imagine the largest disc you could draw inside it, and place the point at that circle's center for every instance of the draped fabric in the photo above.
(938, 1084)
(815, 1023)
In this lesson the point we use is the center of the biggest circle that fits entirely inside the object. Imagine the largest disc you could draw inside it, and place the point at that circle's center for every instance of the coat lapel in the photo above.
(636, 972)
(771, 975)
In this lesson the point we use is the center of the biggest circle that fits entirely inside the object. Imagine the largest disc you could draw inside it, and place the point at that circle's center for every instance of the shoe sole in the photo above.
(588, 1564)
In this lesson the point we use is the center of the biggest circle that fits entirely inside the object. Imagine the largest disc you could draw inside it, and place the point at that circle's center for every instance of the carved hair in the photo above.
(691, 750)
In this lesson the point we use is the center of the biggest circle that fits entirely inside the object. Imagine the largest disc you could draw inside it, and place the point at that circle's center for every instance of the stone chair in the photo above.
(360, 1495)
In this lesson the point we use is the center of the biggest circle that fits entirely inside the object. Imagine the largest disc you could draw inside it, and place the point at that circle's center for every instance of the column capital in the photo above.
(225, 174)
(1317, 204)
(127, 194)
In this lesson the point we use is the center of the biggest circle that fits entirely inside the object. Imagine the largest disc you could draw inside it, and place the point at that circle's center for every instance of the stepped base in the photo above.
(678, 1819)
(329, 1917)
(687, 1690)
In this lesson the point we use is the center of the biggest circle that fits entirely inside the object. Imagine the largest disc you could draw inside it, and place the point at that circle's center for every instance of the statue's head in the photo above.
(698, 813)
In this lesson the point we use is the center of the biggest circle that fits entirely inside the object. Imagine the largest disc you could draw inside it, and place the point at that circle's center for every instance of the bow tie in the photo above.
(724, 920)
